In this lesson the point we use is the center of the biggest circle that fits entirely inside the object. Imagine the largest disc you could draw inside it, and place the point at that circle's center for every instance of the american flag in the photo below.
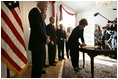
(13, 51)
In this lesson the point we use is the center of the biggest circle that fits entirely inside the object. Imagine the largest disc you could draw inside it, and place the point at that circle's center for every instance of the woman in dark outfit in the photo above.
(74, 43)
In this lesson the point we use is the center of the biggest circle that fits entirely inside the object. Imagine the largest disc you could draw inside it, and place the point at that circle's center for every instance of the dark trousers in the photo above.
(51, 53)
(61, 50)
(44, 57)
(67, 50)
(37, 62)
(74, 53)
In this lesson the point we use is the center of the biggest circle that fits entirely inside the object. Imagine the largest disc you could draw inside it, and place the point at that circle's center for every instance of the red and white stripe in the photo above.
(12, 37)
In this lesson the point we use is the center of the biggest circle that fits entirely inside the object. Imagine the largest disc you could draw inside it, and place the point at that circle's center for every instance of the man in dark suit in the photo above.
(74, 43)
(61, 37)
(114, 37)
(44, 64)
(51, 32)
(38, 38)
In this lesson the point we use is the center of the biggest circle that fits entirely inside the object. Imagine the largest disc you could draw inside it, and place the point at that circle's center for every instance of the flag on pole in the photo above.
(57, 21)
(13, 50)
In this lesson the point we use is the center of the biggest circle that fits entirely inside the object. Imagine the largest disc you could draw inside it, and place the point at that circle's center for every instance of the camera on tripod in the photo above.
(104, 27)
(112, 21)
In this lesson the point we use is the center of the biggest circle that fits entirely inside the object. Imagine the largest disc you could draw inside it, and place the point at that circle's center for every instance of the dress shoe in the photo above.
(79, 68)
(46, 65)
(76, 69)
(60, 59)
(43, 72)
(53, 64)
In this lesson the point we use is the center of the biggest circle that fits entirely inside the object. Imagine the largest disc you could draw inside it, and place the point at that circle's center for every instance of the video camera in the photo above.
(104, 27)
(112, 21)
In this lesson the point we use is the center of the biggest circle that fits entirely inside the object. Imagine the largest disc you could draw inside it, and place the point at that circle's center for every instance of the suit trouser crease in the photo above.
(61, 49)
(74, 53)
(51, 53)
(37, 63)
(67, 50)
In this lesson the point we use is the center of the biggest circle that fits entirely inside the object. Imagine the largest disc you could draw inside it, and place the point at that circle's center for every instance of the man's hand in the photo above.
(48, 41)
(52, 43)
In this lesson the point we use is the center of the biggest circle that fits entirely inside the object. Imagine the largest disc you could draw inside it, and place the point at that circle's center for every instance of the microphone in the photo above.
(114, 9)
(96, 14)
(101, 15)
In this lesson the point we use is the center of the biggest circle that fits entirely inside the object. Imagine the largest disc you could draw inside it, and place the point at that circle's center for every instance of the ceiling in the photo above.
(80, 6)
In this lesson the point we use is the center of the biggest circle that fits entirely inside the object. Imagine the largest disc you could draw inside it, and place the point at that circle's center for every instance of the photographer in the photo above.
(98, 35)
(107, 35)
(114, 35)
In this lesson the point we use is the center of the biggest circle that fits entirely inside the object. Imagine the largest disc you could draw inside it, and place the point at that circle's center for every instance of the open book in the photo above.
(90, 46)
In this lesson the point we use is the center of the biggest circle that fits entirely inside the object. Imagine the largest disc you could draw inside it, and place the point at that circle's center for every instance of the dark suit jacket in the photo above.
(75, 35)
(60, 34)
(50, 30)
(114, 28)
(38, 35)
(106, 35)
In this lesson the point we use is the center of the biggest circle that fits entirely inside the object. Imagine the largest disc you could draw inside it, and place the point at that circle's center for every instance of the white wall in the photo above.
(89, 15)
(25, 8)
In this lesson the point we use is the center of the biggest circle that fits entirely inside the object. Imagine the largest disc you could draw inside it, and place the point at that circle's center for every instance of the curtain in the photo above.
(61, 16)
(53, 8)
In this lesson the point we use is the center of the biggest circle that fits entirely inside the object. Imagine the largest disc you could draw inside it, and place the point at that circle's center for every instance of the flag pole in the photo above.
(8, 73)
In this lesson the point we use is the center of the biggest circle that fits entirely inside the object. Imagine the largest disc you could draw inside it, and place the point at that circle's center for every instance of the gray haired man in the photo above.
(38, 38)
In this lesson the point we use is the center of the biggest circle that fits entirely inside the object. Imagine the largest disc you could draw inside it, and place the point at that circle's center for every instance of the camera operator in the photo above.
(107, 35)
(114, 35)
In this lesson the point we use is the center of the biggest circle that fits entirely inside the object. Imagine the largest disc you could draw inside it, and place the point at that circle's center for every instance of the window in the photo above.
(68, 20)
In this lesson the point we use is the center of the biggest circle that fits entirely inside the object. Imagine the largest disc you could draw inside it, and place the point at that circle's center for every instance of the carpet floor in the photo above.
(103, 68)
